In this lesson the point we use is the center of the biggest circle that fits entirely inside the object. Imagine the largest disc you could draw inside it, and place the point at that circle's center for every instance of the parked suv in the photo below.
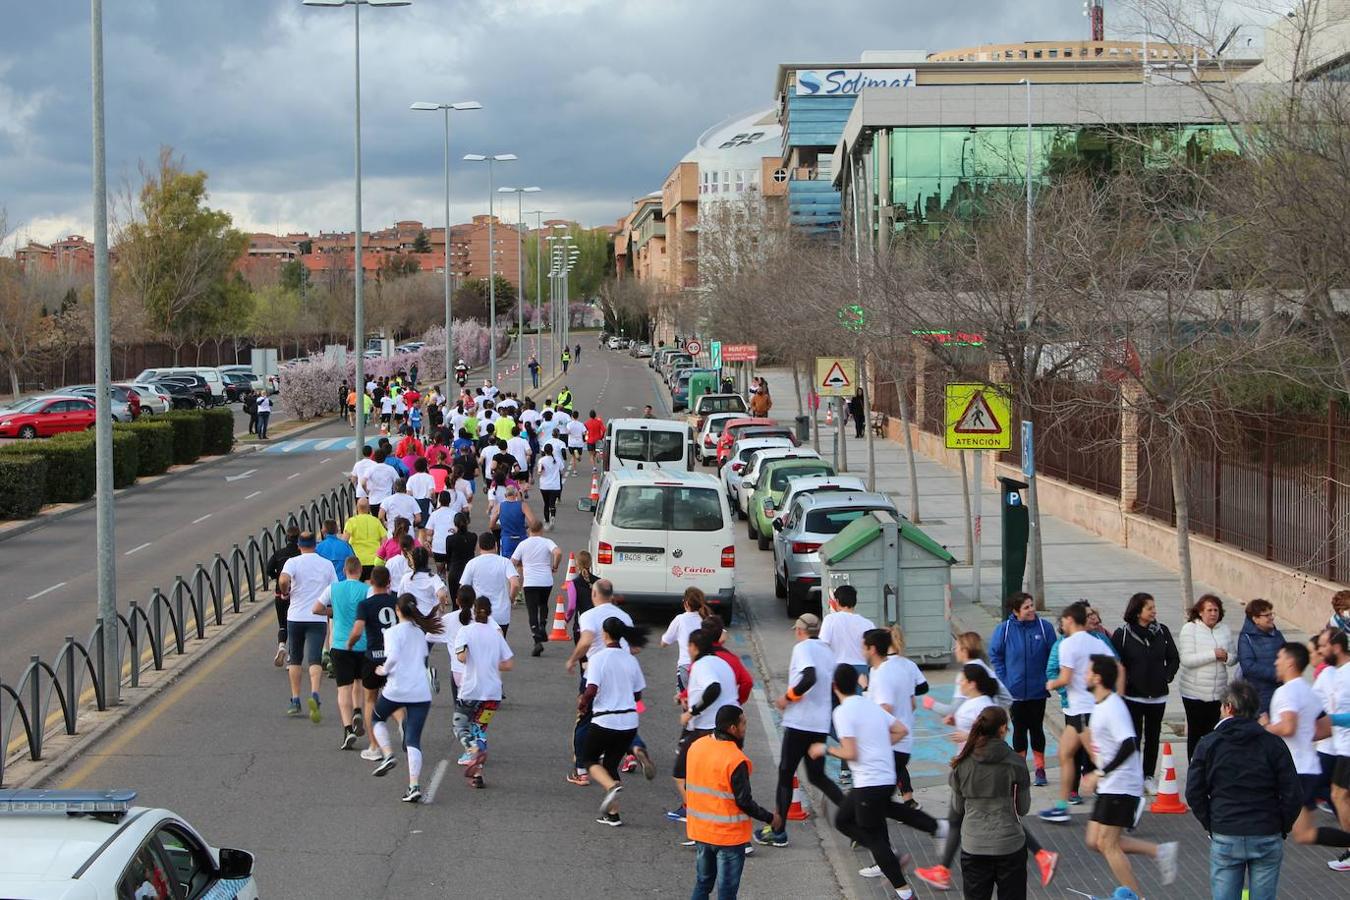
(811, 521)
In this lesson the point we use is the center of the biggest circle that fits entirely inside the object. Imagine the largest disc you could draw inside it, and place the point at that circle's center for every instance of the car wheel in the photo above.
(28, 432)
(764, 543)
(797, 595)
(750, 527)
(779, 586)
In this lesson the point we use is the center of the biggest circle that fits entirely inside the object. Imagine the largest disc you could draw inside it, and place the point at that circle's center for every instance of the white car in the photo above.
(739, 458)
(750, 474)
(91, 845)
(657, 532)
(705, 443)
(153, 401)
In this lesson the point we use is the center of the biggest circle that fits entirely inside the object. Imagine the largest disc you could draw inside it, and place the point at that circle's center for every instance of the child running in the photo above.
(483, 650)
(683, 625)
(407, 688)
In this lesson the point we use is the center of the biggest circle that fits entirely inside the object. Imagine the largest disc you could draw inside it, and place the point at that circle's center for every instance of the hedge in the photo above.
(126, 458)
(22, 485)
(188, 427)
(154, 444)
(70, 465)
(218, 431)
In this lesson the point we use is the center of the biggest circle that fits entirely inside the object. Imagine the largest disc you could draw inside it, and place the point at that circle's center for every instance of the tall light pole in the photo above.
(573, 254)
(1029, 371)
(458, 106)
(520, 275)
(111, 670)
(539, 277)
(492, 256)
(555, 244)
(359, 312)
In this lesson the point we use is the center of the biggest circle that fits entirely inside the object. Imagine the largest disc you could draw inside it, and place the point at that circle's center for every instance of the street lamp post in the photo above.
(359, 311)
(492, 253)
(1029, 370)
(539, 278)
(520, 275)
(459, 106)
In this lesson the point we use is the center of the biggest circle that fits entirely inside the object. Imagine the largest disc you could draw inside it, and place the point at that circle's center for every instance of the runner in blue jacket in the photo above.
(1019, 650)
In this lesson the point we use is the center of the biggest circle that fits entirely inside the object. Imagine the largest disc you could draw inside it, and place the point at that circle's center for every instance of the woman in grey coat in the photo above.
(991, 791)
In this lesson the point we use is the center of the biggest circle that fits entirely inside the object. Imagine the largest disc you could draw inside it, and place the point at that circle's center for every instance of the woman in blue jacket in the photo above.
(1019, 650)
(1258, 643)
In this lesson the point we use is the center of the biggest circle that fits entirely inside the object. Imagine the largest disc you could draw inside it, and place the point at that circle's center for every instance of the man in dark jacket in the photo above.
(1244, 789)
(1019, 650)
(274, 565)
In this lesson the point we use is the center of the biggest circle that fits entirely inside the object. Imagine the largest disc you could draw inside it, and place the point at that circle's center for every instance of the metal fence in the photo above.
(887, 399)
(164, 625)
(1269, 485)
(1077, 434)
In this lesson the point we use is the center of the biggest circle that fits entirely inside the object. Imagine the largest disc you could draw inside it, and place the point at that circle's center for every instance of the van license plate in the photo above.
(639, 557)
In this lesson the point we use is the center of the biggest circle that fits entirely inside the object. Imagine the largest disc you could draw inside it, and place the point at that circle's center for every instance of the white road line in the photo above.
(137, 549)
(436, 780)
(252, 495)
(330, 443)
(289, 446)
(59, 584)
(200, 519)
(325, 459)
(293, 475)
(761, 702)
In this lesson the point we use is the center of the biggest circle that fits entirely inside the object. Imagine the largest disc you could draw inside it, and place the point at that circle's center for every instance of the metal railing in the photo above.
(147, 634)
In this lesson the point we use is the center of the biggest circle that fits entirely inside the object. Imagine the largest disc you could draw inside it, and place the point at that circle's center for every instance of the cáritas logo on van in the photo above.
(693, 571)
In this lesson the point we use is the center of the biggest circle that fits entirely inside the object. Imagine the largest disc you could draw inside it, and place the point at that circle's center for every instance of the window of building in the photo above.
(1054, 54)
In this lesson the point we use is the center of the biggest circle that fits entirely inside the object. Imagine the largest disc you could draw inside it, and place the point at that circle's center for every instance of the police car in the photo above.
(89, 845)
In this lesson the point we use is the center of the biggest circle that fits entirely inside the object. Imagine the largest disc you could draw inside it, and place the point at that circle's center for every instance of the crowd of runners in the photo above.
(445, 540)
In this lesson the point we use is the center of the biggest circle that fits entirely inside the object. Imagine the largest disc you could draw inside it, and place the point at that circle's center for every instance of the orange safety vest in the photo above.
(712, 814)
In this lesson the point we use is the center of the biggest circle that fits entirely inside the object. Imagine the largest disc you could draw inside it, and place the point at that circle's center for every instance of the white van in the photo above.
(209, 375)
(657, 532)
(663, 444)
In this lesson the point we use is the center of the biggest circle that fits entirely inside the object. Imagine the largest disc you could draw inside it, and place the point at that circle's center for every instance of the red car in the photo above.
(736, 427)
(45, 416)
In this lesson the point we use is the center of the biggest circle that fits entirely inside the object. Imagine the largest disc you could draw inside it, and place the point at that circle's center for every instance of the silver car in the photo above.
(739, 457)
(121, 404)
(810, 522)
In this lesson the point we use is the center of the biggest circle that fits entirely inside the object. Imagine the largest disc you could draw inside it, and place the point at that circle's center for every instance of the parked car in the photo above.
(236, 383)
(810, 521)
(259, 382)
(201, 391)
(770, 485)
(126, 405)
(614, 343)
(715, 403)
(659, 356)
(154, 402)
(674, 366)
(732, 430)
(705, 443)
(750, 474)
(739, 458)
(181, 394)
(822, 484)
(209, 376)
(683, 383)
(643, 350)
(47, 415)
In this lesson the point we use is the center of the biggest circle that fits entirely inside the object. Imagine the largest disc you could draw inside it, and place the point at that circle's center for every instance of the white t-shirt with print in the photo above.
(870, 727)
(487, 648)
(1111, 726)
(706, 671)
(488, 574)
(618, 677)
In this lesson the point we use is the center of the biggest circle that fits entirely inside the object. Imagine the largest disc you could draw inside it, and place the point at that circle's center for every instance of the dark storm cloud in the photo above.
(599, 99)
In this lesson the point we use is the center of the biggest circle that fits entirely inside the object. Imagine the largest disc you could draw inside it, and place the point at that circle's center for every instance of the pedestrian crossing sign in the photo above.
(836, 376)
(978, 416)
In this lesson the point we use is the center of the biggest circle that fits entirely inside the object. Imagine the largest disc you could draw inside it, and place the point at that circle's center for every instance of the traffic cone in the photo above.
(559, 632)
(1169, 801)
(795, 812)
(595, 489)
(829, 415)
(571, 566)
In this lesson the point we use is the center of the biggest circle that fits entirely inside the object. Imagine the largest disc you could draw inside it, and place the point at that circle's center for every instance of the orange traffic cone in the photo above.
(1169, 801)
(571, 566)
(795, 812)
(829, 415)
(595, 489)
(559, 632)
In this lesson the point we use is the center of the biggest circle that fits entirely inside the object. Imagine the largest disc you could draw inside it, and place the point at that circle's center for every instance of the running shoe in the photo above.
(1150, 786)
(939, 877)
(1041, 780)
(911, 803)
(770, 838)
(1075, 799)
(466, 757)
(280, 659)
(1055, 813)
(629, 764)
(610, 819)
(645, 761)
(538, 649)
(435, 680)
(904, 893)
(1340, 863)
(314, 715)
(358, 723)
(412, 795)
(688, 843)
(348, 738)
(327, 663)
(1324, 806)
(478, 782)
(386, 763)
(1046, 860)
(580, 779)
(749, 849)
(870, 871)
(474, 770)
(371, 754)
(677, 814)
(1167, 862)
(611, 797)
(293, 707)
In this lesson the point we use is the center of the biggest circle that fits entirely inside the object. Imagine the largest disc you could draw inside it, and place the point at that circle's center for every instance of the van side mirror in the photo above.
(777, 524)
(235, 864)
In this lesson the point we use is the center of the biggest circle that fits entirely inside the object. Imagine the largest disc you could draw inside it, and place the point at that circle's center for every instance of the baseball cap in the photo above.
(809, 623)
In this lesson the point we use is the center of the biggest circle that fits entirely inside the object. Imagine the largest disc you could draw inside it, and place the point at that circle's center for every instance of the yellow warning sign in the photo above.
(979, 417)
(836, 376)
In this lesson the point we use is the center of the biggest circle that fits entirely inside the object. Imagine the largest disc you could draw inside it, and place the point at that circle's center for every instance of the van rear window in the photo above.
(668, 508)
(650, 446)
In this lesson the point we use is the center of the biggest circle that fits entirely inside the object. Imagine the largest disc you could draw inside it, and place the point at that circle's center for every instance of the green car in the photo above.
(768, 491)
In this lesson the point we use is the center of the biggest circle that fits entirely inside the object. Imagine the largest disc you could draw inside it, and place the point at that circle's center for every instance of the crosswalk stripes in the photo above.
(310, 445)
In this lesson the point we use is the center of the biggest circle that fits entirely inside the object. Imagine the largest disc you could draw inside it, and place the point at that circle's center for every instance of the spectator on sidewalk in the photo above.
(251, 407)
(1019, 650)
(1208, 655)
(1258, 644)
(264, 413)
(1151, 661)
(1243, 788)
(858, 413)
(1340, 611)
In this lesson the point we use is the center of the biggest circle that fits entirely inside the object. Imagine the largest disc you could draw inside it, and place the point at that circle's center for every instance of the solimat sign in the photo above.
(838, 82)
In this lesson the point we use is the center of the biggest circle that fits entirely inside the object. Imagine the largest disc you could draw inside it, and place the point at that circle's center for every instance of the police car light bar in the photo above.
(27, 800)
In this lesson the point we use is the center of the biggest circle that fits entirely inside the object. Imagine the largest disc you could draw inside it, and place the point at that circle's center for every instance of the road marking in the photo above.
(292, 475)
(761, 702)
(252, 495)
(59, 584)
(133, 730)
(137, 549)
(202, 518)
(325, 459)
(436, 780)
(241, 475)
(289, 446)
(331, 443)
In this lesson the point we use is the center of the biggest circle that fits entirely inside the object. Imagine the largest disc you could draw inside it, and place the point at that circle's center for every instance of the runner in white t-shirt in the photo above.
(303, 580)
(536, 560)
(843, 629)
(361, 470)
(549, 476)
(893, 682)
(576, 441)
(1075, 655)
(481, 647)
(405, 688)
(712, 685)
(614, 686)
(679, 629)
(493, 576)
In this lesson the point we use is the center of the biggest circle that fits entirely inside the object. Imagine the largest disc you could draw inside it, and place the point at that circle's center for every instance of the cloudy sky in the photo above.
(598, 99)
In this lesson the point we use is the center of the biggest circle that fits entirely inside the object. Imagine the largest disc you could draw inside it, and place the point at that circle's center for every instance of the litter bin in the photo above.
(803, 428)
(1016, 529)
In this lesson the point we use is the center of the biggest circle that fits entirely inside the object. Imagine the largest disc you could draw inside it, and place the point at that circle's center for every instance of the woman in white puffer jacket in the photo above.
(1208, 655)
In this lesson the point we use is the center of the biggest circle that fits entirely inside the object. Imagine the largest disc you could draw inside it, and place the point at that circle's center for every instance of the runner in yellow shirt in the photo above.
(365, 533)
